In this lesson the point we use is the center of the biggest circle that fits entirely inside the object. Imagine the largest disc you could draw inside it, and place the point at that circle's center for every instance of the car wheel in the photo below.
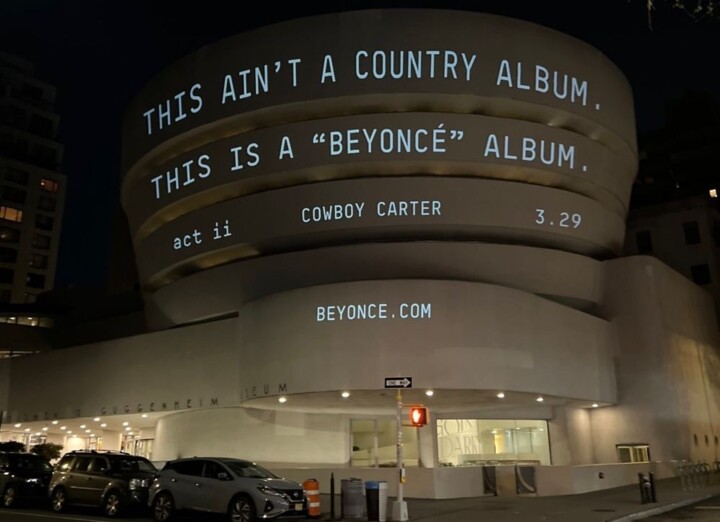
(163, 507)
(9, 498)
(112, 504)
(58, 500)
(242, 509)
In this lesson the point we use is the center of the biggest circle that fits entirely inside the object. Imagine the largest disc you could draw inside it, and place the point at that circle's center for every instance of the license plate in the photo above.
(298, 507)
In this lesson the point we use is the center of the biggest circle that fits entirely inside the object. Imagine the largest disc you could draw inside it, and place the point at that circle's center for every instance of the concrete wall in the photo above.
(275, 438)
(667, 364)
(477, 336)
(170, 370)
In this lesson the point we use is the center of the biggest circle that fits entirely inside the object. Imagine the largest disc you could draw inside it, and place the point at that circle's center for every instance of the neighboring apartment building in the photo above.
(684, 234)
(32, 189)
(675, 213)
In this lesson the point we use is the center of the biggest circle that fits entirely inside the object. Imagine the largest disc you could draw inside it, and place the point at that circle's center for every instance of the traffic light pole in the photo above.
(399, 509)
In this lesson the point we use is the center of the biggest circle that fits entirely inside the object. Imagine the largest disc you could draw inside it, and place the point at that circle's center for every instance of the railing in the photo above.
(697, 475)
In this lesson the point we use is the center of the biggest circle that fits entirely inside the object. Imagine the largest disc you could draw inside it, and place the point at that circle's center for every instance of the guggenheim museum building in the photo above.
(327, 208)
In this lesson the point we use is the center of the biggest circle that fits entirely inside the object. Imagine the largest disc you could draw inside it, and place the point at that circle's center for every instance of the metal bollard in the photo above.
(332, 496)
(647, 488)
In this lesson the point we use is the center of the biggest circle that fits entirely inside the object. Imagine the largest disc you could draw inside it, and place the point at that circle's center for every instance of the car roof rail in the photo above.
(101, 452)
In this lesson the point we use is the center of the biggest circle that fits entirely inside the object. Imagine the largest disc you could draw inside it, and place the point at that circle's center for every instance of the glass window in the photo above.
(374, 443)
(38, 261)
(9, 235)
(700, 274)
(64, 464)
(44, 222)
(189, 467)
(42, 242)
(643, 240)
(133, 464)
(82, 463)
(11, 214)
(35, 280)
(8, 255)
(692, 233)
(475, 442)
(99, 464)
(16, 176)
(49, 185)
(46, 203)
(6, 275)
(249, 470)
(5, 296)
(13, 194)
(213, 469)
(41, 125)
(32, 91)
(633, 452)
(45, 156)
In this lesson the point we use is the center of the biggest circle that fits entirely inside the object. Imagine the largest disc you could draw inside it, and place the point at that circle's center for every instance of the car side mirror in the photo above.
(223, 476)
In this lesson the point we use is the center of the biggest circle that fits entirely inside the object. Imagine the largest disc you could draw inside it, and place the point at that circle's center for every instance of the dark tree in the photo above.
(49, 450)
(12, 446)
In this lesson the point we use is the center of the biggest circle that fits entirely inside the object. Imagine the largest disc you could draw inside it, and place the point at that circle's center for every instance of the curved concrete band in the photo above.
(570, 279)
(377, 145)
(309, 338)
(413, 208)
(379, 61)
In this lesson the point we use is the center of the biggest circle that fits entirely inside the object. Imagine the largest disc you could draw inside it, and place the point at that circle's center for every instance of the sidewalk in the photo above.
(612, 505)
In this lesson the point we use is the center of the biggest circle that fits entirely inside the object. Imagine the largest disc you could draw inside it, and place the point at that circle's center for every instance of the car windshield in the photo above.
(28, 463)
(249, 470)
(136, 464)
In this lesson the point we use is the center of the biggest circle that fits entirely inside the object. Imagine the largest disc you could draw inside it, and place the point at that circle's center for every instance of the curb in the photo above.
(662, 509)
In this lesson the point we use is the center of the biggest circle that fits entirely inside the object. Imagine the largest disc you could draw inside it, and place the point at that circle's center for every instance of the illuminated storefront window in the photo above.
(477, 442)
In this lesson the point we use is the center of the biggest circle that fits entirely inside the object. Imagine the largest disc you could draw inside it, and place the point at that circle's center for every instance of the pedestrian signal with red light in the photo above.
(418, 416)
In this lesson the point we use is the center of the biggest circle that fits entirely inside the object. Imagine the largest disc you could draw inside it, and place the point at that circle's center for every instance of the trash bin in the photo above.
(376, 498)
(351, 498)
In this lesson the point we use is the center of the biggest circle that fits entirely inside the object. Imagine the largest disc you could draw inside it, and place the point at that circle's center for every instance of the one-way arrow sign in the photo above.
(398, 382)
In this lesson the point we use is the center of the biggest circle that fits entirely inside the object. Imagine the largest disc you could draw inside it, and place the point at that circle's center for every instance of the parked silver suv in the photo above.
(242, 489)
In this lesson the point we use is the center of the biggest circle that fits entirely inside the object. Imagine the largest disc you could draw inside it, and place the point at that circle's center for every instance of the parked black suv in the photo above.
(112, 480)
(23, 476)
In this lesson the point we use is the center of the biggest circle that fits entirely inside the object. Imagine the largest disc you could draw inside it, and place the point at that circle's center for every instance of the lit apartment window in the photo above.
(700, 274)
(49, 185)
(692, 233)
(643, 240)
(11, 214)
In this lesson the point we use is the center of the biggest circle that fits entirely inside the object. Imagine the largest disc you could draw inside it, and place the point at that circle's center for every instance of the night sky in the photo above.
(100, 53)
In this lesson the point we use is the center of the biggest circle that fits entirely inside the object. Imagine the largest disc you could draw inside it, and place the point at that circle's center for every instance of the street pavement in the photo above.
(612, 505)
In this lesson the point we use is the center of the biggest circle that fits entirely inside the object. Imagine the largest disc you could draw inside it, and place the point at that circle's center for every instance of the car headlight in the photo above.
(138, 483)
(270, 491)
